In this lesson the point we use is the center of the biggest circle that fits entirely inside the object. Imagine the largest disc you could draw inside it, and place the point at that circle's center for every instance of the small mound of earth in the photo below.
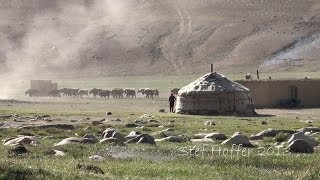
(74, 140)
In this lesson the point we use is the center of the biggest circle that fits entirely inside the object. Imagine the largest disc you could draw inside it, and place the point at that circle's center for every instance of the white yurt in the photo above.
(214, 94)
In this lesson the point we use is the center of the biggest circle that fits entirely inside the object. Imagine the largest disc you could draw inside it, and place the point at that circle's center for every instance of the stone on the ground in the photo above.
(133, 134)
(200, 135)
(142, 138)
(59, 153)
(145, 116)
(112, 141)
(174, 139)
(76, 140)
(209, 123)
(112, 133)
(97, 158)
(264, 123)
(162, 110)
(164, 133)
(300, 135)
(300, 146)
(237, 139)
(202, 140)
(269, 133)
(23, 140)
(109, 113)
(216, 136)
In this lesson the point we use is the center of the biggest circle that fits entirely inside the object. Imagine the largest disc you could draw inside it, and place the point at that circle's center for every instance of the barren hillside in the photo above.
(142, 37)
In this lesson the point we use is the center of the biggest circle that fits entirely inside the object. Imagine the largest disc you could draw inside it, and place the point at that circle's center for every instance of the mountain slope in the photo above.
(140, 37)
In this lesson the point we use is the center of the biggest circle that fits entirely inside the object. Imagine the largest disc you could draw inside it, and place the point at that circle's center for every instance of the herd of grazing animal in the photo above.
(115, 93)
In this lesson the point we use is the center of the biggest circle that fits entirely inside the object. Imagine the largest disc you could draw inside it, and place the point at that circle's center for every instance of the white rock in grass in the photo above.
(237, 139)
(25, 140)
(59, 153)
(216, 136)
(202, 140)
(200, 135)
(174, 139)
(74, 140)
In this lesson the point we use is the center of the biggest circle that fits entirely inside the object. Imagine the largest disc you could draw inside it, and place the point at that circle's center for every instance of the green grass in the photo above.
(163, 161)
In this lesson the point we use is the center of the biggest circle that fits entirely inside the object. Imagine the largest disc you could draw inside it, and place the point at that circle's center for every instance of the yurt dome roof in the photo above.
(212, 83)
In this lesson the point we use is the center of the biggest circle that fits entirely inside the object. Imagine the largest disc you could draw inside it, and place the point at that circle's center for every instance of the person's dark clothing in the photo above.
(172, 100)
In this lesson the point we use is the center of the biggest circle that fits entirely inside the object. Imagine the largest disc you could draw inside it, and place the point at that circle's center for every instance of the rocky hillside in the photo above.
(141, 37)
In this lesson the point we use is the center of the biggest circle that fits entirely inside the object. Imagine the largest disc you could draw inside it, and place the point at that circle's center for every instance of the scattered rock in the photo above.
(300, 146)
(270, 133)
(237, 139)
(162, 110)
(264, 123)
(118, 120)
(133, 134)
(112, 133)
(23, 140)
(172, 121)
(300, 135)
(96, 158)
(113, 141)
(202, 140)
(90, 168)
(174, 139)
(142, 138)
(59, 153)
(75, 140)
(145, 116)
(108, 133)
(209, 123)
(216, 136)
(199, 135)
(109, 113)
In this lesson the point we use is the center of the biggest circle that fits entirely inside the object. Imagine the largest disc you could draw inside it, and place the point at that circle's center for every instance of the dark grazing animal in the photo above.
(95, 92)
(129, 93)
